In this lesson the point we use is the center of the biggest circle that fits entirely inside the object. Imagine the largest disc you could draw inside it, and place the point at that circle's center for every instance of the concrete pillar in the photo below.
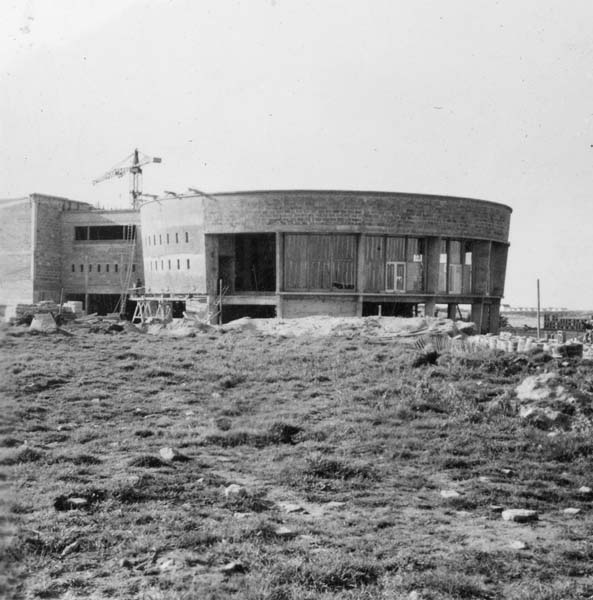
(494, 325)
(433, 249)
(452, 311)
(429, 308)
(477, 317)
(279, 273)
(360, 280)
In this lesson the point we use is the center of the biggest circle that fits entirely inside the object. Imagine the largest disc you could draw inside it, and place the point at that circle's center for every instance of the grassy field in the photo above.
(337, 451)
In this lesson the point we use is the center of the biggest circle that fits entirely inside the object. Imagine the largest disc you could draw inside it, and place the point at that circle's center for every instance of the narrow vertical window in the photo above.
(188, 263)
(107, 267)
(160, 239)
(178, 264)
(116, 267)
(169, 261)
(187, 236)
(81, 268)
(98, 268)
(154, 240)
(162, 265)
(90, 268)
(177, 238)
(73, 268)
(167, 238)
(133, 268)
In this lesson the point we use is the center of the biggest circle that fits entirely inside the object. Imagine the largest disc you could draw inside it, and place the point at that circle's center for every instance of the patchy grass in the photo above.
(341, 449)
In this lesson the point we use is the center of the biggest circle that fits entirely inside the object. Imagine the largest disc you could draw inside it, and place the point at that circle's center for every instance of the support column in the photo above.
(360, 281)
(476, 317)
(211, 253)
(279, 273)
(433, 250)
(494, 325)
(451, 311)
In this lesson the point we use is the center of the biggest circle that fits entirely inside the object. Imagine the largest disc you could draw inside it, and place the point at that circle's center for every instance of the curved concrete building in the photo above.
(299, 253)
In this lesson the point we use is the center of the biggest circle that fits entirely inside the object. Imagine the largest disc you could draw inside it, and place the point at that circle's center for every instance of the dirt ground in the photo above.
(252, 463)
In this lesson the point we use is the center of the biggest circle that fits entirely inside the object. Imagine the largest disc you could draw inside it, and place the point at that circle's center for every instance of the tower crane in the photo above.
(139, 160)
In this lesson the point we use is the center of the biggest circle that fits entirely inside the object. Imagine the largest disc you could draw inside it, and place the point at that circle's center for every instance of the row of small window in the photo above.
(169, 264)
(99, 267)
(151, 240)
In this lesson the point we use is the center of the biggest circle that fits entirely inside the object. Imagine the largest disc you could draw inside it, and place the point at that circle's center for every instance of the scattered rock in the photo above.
(73, 503)
(70, 548)
(170, 454)
(223, 423)
(81, 500)
(289, 507)
(571, 511)
(126, 563)
(232, 568)
(520, 515)
(235, 491)
(585, 490)
(285, 533)
(544, 417)
(450, 494)
(518, 545)
(334, 504)
(496, 508)
(43, 322)
(545, 402)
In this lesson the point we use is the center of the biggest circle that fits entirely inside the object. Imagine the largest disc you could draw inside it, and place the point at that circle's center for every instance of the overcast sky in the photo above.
(485, 99)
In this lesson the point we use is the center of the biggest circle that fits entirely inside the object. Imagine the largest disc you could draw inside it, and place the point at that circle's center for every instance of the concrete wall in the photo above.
(31, 247)
(112, 256)
(363, 212)
(16, 251)
(174, 245)
(305, 306)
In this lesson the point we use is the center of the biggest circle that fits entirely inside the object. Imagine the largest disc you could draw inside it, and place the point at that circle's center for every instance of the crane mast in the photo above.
(135, 171)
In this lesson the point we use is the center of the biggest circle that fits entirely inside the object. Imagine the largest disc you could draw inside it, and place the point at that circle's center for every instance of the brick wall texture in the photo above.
(365, 212)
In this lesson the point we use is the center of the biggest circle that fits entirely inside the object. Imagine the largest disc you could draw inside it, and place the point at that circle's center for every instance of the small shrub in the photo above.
(148, 461)
(332, 577)
(330, 468)
(27, 455)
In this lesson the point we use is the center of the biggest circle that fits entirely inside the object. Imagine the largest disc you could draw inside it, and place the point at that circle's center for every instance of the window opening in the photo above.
(395, 277)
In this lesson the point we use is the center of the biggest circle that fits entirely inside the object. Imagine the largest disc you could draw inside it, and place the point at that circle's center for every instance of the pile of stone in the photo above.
(550, 401)
(507, 342)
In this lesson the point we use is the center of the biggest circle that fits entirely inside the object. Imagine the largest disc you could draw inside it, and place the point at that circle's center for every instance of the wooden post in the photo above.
(220, 301)
(279, 273)
(360, 266)
(86, 284)
(538, 310)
